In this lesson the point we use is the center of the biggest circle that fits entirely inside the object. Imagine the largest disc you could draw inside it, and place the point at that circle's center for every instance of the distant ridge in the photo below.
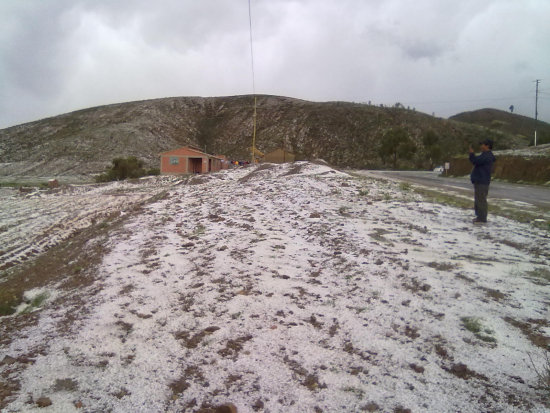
(82, 143)
(506, 122)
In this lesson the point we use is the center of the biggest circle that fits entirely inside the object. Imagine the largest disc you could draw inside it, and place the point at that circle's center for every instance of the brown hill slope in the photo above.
(345, 134)
(500, 120)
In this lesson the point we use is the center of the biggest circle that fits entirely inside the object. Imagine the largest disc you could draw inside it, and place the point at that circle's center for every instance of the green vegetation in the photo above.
(36, 302)
(542, 138)
(543, 371)
(497, 122)
(199, 230)
(442, 266)
(342, 133)
(343, 211)
(520, 215)
(9, 300)
(432, 148)
(542, 274)
(471, 324)
(360, 393)
(396, 144)
(474, 325)
(124, 168)
(16, 184)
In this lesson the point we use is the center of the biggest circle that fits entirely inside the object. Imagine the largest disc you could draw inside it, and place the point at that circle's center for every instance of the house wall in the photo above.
(217, 165)
(167, 168)
(184, 165)
(279, 156)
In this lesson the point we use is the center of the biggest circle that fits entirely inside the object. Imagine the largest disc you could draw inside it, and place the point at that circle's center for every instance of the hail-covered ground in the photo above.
(290, 288)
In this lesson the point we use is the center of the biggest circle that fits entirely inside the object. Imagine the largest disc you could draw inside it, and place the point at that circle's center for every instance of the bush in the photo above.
(543, 370)
(124, 168)
(9, 300)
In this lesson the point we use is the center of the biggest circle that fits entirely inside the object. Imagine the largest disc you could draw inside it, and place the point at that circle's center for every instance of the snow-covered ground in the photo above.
(34, 221)
(296, 288)
(529, 152)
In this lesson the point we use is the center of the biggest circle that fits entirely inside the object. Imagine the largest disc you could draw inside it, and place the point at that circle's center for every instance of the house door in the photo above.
(195, 165)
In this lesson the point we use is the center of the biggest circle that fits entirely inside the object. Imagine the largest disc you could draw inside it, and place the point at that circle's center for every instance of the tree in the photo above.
(396, 144)
(124, 168)
(432, 148)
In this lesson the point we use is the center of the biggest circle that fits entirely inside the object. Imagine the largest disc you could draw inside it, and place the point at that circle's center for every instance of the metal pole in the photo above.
(253, 85)
(536, 108)
(254, 133)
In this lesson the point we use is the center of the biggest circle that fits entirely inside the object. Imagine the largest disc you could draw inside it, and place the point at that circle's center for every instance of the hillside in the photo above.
(84, 142)
(506, 122)
(278, 288)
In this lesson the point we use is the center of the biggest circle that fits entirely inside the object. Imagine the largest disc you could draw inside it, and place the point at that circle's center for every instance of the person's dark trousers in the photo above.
(480, 201)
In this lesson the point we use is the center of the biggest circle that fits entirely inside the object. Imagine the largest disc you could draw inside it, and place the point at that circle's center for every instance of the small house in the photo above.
(188, 160)
(279, 156)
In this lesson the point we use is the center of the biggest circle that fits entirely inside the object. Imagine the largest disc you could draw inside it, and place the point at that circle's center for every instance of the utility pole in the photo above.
(536, 107)
(253, 160)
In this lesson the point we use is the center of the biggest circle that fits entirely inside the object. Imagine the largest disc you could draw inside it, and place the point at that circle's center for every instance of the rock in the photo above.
(371, 407)
(259, 405)
(7, 360)
(226, 408)
(416, 368)
(211, 329)
(43, 402)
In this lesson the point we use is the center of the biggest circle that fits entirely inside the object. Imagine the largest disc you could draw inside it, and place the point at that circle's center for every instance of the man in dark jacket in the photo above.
(481, 178)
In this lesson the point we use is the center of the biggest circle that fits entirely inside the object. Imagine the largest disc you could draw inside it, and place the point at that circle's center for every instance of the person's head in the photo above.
(486, 145)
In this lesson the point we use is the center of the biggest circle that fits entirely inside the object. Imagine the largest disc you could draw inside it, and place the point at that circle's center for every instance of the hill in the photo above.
(82, 143)
(507, 122)
(287, 288)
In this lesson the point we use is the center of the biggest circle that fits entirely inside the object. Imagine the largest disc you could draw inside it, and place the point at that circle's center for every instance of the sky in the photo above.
(438, 56)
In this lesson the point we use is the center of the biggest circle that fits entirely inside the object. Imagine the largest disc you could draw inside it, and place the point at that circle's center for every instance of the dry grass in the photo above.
(542, 370)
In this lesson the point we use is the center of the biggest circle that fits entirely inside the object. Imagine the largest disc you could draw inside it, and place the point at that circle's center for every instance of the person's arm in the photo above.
(479, 160)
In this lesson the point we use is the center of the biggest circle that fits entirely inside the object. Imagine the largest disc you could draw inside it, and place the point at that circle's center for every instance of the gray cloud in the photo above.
(439, 56)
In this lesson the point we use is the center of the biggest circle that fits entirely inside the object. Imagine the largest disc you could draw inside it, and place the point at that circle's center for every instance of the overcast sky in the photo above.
(441, 56)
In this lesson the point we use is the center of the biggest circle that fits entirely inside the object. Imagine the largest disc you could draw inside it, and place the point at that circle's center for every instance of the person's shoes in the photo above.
(478, 221)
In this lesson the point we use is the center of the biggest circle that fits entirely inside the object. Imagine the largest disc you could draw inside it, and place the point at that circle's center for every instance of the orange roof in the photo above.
(186, 150)
(182, 151)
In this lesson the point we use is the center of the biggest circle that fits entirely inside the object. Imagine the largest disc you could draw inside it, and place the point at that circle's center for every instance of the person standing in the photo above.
(481, 178)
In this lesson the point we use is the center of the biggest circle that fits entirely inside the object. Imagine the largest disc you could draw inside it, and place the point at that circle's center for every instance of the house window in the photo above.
(174, 160)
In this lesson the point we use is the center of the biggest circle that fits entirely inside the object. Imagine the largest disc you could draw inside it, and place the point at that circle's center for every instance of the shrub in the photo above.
(124, 168)
(36, 302)
(405, 186)
(474, 325)
(9, 300)
(543, 370)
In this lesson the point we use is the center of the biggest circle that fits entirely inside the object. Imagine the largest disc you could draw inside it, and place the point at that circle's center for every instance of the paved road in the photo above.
(532, 194)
